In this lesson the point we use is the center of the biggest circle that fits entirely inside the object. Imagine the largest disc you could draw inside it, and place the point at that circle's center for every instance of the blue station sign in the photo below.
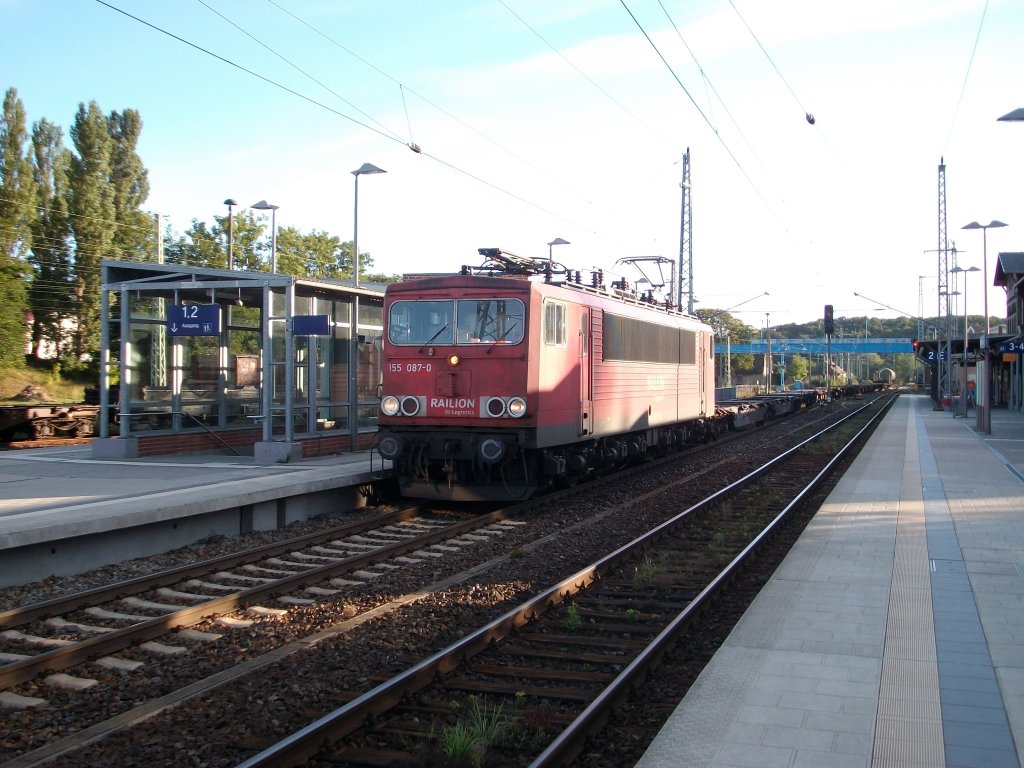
(193, 320)
(1016, 345)
(311, 325)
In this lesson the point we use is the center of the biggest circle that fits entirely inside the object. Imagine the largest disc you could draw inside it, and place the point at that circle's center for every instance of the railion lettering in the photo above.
(453, 402)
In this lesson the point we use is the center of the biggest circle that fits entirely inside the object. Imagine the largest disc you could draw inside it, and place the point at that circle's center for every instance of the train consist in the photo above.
(515, 376)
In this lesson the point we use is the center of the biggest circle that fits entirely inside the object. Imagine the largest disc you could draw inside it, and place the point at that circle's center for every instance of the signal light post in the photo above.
(830, 328)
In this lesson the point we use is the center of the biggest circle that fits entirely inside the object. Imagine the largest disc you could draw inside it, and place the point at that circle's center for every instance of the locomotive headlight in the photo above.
(389, 405)
(454, 360)
(516, 407)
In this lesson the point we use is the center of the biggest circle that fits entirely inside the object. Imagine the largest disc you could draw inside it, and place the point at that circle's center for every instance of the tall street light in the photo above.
(984, 258)
(353, 382)
(231, 232)
(963, 386)
(364, 169)
(984, 407)
(263, 205)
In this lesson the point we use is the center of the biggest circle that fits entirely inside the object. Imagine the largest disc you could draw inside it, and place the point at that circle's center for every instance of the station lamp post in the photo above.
(984, 406)
(231, 231)
(263, 205)
(353, 384)
(363, 170)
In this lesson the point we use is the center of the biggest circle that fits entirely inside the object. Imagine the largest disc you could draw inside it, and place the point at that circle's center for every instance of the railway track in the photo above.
(361, 622)
(51, 636)
(566, 656)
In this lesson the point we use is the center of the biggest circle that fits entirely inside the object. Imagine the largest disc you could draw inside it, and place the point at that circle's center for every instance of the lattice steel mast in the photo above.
(686, 240)
(944, 370)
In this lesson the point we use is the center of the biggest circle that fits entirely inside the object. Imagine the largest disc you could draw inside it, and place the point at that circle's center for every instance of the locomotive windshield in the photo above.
(466, 321)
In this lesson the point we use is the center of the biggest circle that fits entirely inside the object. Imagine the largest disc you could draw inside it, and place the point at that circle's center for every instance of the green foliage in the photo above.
(134, 233)
(17, 188)
(199, 247)
(14, 301)
(573, 621)
(17, 212)
(93, 212)
(316, 255)
(726, 326)
(460, 743)
(480, 730)
(51, 289)
(797, 367)
(645, 571)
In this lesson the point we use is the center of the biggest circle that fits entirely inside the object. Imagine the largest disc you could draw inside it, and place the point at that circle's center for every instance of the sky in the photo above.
(538, 120)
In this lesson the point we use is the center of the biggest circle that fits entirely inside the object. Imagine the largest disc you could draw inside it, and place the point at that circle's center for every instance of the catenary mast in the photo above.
(943, 369)
(685, 240)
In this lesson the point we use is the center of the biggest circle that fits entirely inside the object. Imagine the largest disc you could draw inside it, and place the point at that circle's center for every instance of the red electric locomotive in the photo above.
(495, 387)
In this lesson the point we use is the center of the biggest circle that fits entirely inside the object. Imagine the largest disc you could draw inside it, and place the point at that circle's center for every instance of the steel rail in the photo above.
(304, 744)
(118, 639)
(568, 744)
(15, 617)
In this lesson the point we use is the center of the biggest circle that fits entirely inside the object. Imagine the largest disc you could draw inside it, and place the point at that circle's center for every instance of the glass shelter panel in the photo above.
(368, 359)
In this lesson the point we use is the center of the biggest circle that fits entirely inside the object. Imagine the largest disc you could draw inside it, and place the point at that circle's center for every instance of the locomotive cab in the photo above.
(455, 391)
(494, 388)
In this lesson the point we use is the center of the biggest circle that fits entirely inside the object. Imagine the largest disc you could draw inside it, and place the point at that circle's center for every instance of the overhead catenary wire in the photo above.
(967, 76)
(448, 164)
(709, 84)
(807, 115)
(584, 75)
(404, 89)
(299, 69)
(710, 125)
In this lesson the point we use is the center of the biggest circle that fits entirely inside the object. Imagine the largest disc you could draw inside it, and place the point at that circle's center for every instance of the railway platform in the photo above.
(63, 512)
(892, 635)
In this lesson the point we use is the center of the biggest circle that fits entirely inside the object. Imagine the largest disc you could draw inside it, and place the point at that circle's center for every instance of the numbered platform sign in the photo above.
(193, 320)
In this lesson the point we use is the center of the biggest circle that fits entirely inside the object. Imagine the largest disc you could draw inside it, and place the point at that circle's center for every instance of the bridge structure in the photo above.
(856, 345)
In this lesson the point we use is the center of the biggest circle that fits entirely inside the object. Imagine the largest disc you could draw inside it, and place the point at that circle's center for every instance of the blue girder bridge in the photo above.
(851, 344)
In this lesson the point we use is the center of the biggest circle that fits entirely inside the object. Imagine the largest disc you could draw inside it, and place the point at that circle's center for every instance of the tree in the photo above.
(797, 368)
(93, 218)
(17, 190)
(17, 212)
(725, 326)
(51, 289)
(247, 251)
(317, 255)
(199, 247)
(135, 234)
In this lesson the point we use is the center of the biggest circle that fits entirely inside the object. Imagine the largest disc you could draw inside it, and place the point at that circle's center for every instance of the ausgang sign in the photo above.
(193, 320)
